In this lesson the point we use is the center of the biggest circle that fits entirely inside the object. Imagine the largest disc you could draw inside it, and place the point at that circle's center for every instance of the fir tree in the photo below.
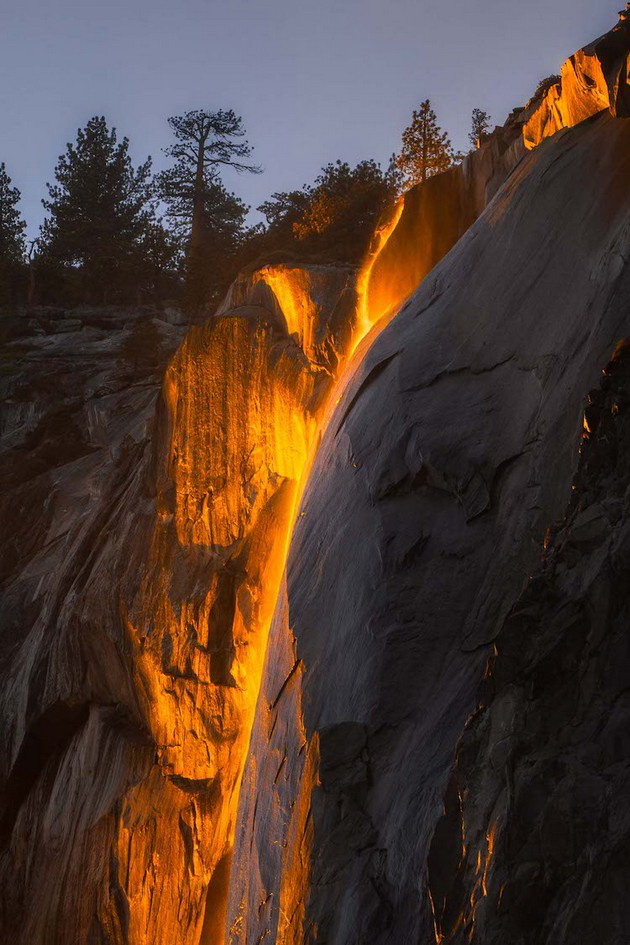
(12, 226)
(479, 128)
(426, 149)
(99, 209)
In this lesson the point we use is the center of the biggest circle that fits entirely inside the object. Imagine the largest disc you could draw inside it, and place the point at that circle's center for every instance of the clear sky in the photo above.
(314, 80)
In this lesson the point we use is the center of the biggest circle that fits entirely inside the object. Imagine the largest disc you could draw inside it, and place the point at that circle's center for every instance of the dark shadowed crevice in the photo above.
(44, 744)
(213, 930)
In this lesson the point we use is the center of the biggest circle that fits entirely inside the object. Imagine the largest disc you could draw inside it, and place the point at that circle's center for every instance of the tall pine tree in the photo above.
(426, 149)
(99, 210)
(209, 220)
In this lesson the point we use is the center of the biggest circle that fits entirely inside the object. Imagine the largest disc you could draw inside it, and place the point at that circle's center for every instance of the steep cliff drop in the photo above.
(451, 452)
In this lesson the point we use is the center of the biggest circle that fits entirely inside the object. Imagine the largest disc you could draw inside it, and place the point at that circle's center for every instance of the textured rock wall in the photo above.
(78, 418)
(139, 589)
(594, 78)
(450, 453)
(432, 217)
(533, 845)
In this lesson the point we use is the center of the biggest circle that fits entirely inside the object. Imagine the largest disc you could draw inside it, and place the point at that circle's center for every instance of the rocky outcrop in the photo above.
(433, 216)
(595, 78)
(533, 845)
(139, 587)
(430, 219)
(78, 420)
(316, 305)
(450, 453)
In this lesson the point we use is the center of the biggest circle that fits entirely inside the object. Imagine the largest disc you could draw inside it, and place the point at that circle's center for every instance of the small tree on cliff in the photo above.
(480, 126)
(201, 210)
(426, 149)
(545, 84)
(99, 209)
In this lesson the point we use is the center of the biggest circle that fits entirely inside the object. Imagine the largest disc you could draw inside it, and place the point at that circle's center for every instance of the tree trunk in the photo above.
(196, 229)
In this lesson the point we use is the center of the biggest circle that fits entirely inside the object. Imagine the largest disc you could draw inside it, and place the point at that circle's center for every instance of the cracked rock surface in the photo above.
(534, 841)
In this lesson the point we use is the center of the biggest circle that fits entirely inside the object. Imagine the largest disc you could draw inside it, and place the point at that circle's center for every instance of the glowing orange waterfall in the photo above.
(244, 404)
(370, 314)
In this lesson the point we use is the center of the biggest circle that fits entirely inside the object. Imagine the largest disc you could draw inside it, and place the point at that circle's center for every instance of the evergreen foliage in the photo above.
(208, 220)
(12, 242)
(335, 216)
(12, 226)
(426, 149)
(100, 209)
(480, 127)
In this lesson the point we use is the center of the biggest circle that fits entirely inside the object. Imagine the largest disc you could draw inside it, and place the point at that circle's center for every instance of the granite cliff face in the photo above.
(450, 454)
(182, 765)
(538, 798)
(146, 563)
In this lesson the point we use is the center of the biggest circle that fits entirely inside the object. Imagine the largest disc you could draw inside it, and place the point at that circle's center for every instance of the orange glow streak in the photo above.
(480, 887)
(299, 317)
(490, 840)
(242, 438)
(291, 289)
(366, 316)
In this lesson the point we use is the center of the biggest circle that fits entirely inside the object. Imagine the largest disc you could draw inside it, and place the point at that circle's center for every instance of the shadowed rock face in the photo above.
(539, 794)
(78, 418)
(449, 455)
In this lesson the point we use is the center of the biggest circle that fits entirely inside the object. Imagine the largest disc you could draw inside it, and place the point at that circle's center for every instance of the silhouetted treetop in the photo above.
(335, 215)
(206, 217)
(210, 138)
(426, 149)
(98, 208)
(12, 226)
(480, 127)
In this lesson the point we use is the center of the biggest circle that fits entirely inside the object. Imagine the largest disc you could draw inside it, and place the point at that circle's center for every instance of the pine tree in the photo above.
(426, 149)
(12, 226)
(334, 216)
(479, 128)
(209, 260)
(159, 261)
(207, 218)
(99, 209)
